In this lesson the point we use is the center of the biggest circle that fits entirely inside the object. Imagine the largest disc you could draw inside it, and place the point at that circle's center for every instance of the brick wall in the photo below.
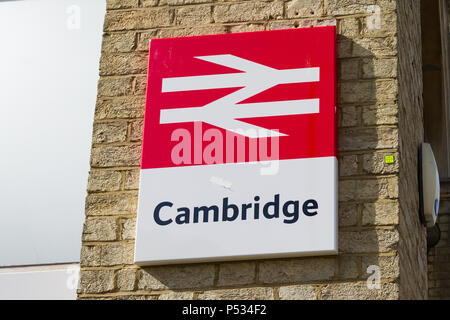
(439, 256)
(373, 222)
(412, 244)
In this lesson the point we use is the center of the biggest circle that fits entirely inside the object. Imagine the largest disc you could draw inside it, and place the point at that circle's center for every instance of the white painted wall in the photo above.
(49, 59)
(57, 282)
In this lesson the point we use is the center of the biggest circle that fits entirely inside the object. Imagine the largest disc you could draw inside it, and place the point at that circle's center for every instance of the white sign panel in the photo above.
(239, 148)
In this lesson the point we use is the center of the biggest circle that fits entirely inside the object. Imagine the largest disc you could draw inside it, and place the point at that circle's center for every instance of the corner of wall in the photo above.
(412, 244)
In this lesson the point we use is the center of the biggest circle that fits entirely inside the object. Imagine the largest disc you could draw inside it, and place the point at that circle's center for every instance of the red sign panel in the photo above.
(250, 86)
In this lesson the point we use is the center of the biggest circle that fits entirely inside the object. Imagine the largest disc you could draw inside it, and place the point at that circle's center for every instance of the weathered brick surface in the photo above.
(379, 99)
(303, 8)
(246, 28)
(98, 281)
(378, 68)
(115, 156)
(368, 138)
(348, 214)
(174, 2)
(341, 7)
(132, 179)
(367, 91)
(238, 294)
(111, 204)
(176, 277)
(193, 15)
(177, 296)
(90, 256)
(348, 165)
(248, 11)
(375, 163)
(349, 69)
(389, 265)
(380, 114)
(114, 87)
(388, 25)
(439, 256)
(121, 4)
(152, 3)
(298, 292)
(296, 270)
(367, 47)
(136, 130)
(119, 42)
(129, 229)
(117, 254)
(412, 244)
(110, 132)
(140, 85)
(349, 116)
(349, 267)
(380, 213)
(359, 291)
(123, 108)
(100, 230)
(104, 180)
(385, 188)
(368, 241)
(126, 279)
(349, 27)
(237, 273)
(122, 64)
(303, 23)
(137, 19)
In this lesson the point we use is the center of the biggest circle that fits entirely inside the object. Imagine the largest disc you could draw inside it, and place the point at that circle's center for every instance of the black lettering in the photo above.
(245, 206)
(276, 208)
(156, 213)
(206, 210)
(309, 205)
(225, 207)
(256, 211)
(182, 218)
(293, 214)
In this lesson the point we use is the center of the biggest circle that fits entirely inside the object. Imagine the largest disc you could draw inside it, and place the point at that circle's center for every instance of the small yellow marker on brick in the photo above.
(389, 159)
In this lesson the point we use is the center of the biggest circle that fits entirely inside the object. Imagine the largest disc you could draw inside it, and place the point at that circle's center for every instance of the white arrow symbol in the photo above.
(256, 78)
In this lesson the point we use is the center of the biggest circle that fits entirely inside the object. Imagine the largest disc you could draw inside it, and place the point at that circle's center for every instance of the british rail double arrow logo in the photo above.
(225, 111)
